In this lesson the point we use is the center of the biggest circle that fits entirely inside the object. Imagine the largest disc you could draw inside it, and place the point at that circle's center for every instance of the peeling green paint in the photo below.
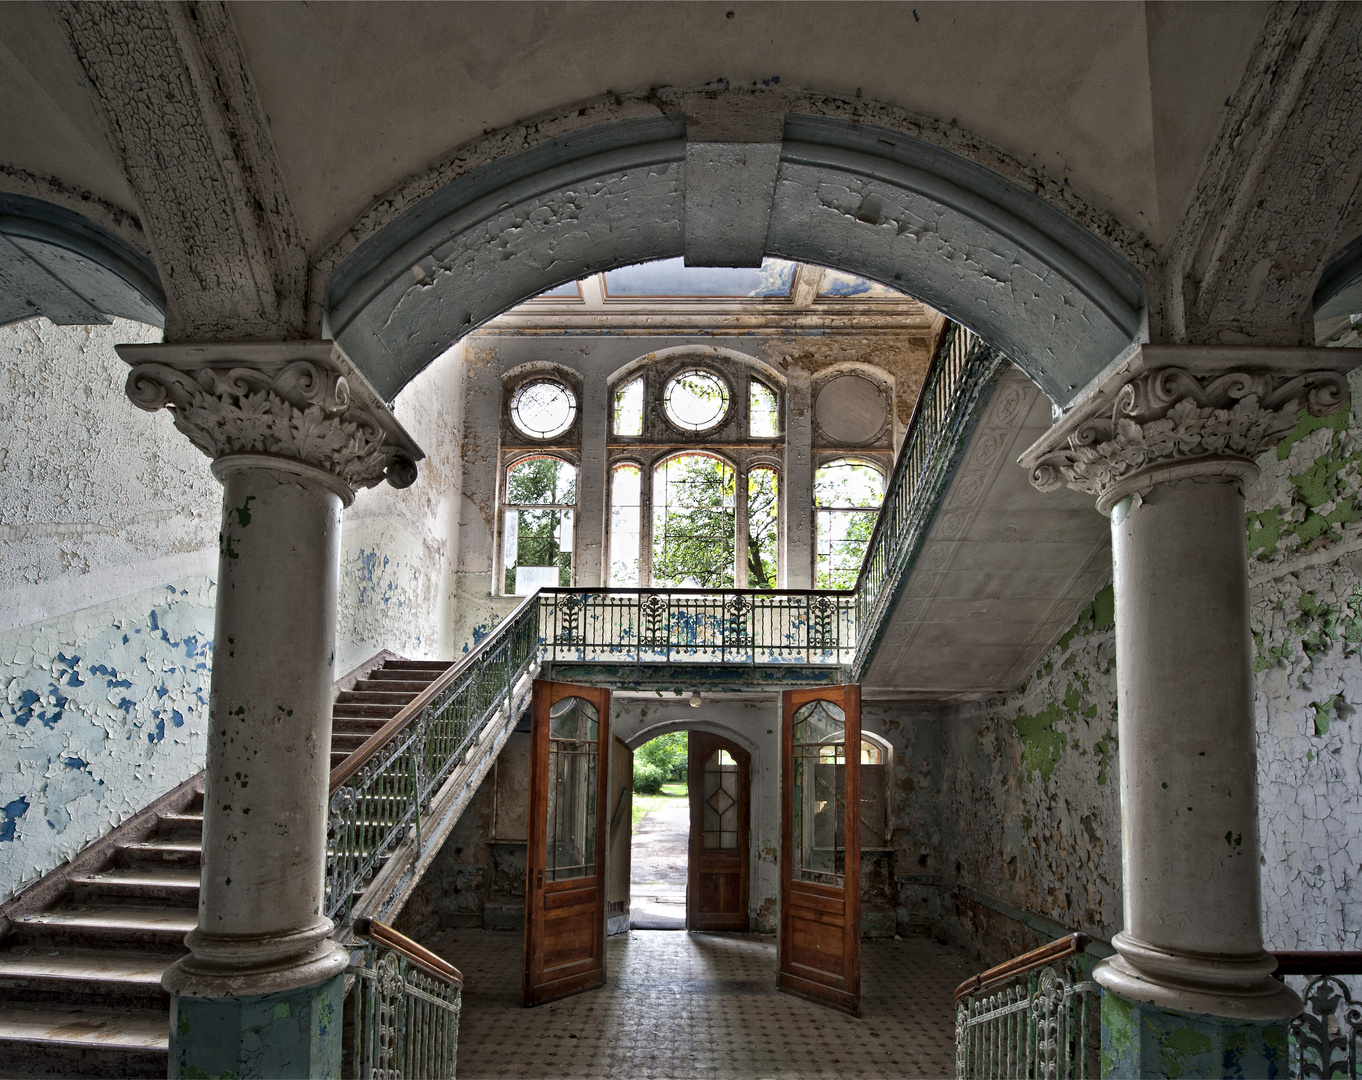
(1042, 745)
(1176, 1046)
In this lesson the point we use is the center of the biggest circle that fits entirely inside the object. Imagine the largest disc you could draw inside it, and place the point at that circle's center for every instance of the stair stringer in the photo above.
(398, 878)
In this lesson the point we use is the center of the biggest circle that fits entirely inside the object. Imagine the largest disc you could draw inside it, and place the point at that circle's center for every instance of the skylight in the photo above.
(672, 277)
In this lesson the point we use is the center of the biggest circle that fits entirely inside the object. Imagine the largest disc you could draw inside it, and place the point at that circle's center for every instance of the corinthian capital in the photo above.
(1179, 411)
(304, 401)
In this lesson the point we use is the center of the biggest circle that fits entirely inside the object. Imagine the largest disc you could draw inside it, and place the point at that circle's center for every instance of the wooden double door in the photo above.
(820, 842)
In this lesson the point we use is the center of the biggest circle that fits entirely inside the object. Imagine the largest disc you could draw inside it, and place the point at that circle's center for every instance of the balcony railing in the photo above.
(379, 793)
(960, 379)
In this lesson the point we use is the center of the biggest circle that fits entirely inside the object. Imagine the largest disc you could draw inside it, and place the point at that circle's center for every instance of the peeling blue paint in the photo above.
(13, 811)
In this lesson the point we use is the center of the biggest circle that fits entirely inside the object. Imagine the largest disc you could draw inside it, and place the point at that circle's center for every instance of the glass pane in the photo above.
(763, 418)
(719, 788)
(818, 794)
(629, 409)
(695, 400)
(543, 481)
(848, 484)
(543, 409)
(543, 550)
(570, 843)
(624, 525)
(694, 522)
(843, 536)
(763, 528)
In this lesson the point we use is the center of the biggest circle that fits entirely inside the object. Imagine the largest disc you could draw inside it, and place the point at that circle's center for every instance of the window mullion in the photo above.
(740, 526)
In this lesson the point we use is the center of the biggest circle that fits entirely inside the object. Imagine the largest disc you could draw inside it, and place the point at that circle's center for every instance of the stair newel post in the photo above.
(293, 429)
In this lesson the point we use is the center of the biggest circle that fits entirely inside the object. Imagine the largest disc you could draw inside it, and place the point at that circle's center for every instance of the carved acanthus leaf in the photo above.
(299, 409)
(1170, 415)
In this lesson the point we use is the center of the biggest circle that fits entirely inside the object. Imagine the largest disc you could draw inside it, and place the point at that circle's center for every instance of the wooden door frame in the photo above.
(848, 697)
(744, 759)
(537, 892)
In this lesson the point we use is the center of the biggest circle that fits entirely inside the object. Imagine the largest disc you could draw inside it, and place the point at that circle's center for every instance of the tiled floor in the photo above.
(705, 1005)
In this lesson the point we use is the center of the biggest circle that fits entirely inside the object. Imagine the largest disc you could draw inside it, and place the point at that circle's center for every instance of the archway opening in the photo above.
(660, 834)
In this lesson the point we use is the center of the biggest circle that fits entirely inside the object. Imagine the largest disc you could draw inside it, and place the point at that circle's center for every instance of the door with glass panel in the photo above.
(820, 895)
(566, 885)
(720, 781)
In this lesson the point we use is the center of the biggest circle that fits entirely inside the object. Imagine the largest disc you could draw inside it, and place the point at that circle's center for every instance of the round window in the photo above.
(543, 409)
(696, 400)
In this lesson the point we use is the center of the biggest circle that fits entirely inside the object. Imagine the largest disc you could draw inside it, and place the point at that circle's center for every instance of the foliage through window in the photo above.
(694, 520)
(847, 495)
(543, 409)
(695, 400)
(763, 527)
(763, 414)
(629, 409)
(541, 493)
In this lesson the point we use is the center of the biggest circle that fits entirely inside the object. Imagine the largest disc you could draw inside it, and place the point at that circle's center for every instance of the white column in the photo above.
(293, 429)
(1167, 445)
(796, 485)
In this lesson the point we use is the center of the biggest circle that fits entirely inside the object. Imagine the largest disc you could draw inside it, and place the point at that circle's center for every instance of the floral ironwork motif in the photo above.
(1171, 415)
(1324, 1038)
(404, 1019)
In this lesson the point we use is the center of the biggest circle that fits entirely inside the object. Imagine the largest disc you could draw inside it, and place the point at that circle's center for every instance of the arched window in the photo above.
(628, 412)
(875, 819)
(763, 527)
(847, 494)
(626, 516)
(537, 525)
(763, 411)
(694, 522)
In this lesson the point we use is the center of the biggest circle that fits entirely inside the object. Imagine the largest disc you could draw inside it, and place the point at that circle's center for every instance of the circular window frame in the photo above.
(574, 413)
(885, 392)
(663, 398)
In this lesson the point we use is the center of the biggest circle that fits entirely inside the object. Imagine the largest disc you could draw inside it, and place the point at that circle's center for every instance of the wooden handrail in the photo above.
(385, 935)
(1298, 962)
(1020, 965)
(374, 744)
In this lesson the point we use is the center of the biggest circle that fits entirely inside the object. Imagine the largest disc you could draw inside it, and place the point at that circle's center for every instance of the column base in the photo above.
(1143, 1040)
(292, 1033)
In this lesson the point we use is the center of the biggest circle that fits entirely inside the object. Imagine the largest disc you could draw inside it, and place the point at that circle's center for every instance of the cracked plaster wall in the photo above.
(108, 520)
(399, 547)
(1030, 826)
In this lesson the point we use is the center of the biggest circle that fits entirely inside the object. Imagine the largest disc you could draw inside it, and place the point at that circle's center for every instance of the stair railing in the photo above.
(1037, 1015)
(404, 1007)
(961, 375)
(379, 792)
(1324, 1040)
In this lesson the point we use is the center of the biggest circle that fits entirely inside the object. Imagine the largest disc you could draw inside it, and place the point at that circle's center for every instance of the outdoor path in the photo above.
(705, 1006)
(657, 868)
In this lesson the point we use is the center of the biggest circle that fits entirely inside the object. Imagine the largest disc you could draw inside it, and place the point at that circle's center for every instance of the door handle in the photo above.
(541, 880)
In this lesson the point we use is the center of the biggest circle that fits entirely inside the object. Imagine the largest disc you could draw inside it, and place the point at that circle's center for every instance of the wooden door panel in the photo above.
(820, 956)
(567, 840)
(718, 866)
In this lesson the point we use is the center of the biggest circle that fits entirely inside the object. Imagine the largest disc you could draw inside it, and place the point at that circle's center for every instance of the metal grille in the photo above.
(380, 800)
(962, 373)
(405, 1018)
(728, 626)
(1040, 1021)
(1323, 1040)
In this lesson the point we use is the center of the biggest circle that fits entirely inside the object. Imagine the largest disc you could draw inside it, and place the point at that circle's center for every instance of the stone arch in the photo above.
(860, 187)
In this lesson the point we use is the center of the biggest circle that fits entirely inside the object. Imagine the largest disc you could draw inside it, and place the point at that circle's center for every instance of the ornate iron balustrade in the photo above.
(1035, 1016)
(404, 1008)
(1324, 1040)
(962, 371)
(378, 793)
(731, 626)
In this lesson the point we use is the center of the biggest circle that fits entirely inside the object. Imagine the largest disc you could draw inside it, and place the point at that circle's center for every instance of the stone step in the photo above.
(179, 826)
(172, 883)
(354, 725)
(156, 851)
(392, 686)
(372, 697)
(115, 925)
(435, 667)
(90, 975)
(47, 1040)
(360, 711)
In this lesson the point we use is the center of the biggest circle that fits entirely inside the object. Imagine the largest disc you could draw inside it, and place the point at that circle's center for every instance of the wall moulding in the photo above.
(303, 401)
(1173, 411)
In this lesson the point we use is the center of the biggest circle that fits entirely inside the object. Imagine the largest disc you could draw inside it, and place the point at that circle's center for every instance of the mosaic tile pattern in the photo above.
(705, 1005)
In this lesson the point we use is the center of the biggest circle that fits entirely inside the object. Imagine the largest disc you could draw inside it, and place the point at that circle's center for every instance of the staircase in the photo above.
(85, 947)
